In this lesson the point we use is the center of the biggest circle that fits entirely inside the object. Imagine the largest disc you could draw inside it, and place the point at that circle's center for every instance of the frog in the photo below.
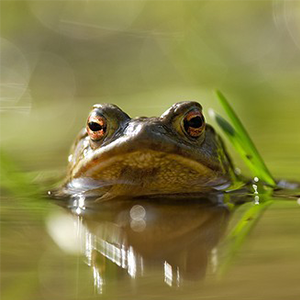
(177, 155)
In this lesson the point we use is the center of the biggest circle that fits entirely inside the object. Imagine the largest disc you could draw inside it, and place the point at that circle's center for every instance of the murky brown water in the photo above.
(146, 250)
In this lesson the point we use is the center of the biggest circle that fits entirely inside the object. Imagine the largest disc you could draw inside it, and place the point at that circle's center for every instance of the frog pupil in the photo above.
(95, 126)
(195, 122)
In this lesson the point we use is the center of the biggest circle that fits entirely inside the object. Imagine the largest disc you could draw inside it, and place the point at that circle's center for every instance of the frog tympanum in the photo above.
(174, 154)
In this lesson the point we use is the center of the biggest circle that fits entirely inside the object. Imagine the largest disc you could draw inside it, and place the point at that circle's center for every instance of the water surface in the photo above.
(145, 250)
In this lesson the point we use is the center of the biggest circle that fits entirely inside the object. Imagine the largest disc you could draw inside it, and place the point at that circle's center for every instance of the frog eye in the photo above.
(193, 123)
(96, 127)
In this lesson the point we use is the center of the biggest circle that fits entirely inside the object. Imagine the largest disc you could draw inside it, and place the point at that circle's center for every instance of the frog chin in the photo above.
(105, 190)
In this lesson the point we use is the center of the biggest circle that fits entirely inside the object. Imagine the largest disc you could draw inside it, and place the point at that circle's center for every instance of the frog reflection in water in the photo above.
(176, 154)
(176, 240)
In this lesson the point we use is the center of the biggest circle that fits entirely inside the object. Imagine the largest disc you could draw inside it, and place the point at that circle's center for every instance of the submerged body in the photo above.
(174, 154)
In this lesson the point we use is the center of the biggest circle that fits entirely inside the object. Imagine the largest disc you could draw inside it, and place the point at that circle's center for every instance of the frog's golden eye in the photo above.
(193, 123)
(96, 127)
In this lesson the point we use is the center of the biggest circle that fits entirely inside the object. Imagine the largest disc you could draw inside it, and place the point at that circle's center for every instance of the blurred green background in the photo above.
(58, 58)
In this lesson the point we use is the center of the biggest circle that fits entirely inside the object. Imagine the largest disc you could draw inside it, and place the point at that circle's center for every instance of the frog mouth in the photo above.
(142, 161)
(147, 172)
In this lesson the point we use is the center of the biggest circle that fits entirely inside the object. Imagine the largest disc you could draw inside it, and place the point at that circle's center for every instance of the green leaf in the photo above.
(242, 142)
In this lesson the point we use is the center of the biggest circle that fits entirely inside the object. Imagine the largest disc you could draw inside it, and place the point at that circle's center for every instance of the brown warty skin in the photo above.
(174, 154)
